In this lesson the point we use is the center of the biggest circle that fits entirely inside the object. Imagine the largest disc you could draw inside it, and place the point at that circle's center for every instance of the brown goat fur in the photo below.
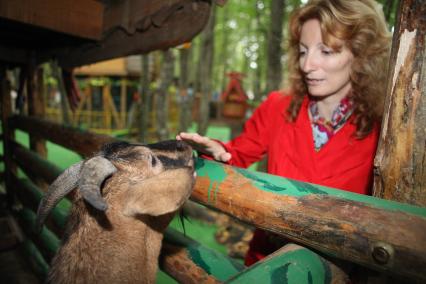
(122, 244)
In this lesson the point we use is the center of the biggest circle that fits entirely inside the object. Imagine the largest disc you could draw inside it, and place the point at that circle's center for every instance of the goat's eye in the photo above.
(153, 161)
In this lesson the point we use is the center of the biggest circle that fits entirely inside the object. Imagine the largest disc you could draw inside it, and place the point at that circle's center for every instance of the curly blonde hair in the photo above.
(360, 24)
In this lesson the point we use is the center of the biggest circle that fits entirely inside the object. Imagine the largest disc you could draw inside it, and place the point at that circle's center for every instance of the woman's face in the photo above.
(325, 71)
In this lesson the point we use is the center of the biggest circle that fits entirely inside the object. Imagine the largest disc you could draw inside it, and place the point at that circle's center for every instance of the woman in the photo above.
(325, 129)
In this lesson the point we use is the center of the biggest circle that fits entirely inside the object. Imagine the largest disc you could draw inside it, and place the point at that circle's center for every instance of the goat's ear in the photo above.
(164, 193)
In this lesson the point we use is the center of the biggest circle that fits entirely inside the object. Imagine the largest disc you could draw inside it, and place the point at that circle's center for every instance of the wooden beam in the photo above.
(376, 233)
(84, 143)
(401, 156)
(294, 263)
(34, 164)
(188, 261)
(46, 241)
(14, 55)
(81, 18)
(135, 27)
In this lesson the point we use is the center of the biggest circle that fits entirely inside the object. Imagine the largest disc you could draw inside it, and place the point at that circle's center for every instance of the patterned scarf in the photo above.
(322, 129)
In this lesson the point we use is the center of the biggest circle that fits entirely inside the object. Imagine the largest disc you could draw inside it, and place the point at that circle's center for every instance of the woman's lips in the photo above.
(313, 82)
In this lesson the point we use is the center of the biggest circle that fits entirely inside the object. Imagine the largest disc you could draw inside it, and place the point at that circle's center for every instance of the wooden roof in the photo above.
(81, 32)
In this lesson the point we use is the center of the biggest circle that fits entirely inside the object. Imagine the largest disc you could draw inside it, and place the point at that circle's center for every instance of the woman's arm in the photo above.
(252, 144)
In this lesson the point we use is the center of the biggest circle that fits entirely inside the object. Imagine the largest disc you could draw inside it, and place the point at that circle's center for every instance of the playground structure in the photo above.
(108, 91)
(382, 235)
(110, 99)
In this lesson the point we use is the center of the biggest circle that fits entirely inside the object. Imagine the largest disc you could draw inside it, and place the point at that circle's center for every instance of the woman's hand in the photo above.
(205, 145)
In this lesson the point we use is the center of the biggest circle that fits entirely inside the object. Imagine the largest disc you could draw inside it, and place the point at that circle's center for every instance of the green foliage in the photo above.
(241, 39)
(241, 42)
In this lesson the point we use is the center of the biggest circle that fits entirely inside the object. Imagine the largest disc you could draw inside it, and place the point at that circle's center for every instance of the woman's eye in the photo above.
(327, 52)
(302, 53)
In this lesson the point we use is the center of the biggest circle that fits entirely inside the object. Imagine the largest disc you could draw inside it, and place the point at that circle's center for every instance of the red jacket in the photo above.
(344, 162)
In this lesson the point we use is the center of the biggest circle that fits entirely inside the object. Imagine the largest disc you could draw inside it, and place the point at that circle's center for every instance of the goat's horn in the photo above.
(93, 173)
(62, 185)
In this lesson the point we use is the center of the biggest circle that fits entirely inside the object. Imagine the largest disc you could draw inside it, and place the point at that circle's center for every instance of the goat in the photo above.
(127, 195)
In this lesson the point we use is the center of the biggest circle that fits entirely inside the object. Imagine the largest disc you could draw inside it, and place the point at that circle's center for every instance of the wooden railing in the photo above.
(381, 235)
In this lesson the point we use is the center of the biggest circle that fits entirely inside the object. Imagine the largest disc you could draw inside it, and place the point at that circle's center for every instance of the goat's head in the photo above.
(153, 179)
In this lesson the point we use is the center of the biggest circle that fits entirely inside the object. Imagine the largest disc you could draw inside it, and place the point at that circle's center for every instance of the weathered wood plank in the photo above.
(82, 18)
(379, 234)
(6, 111)
(36, 108)
(30, 195)
(33, 164)
(84, 143)
(161, 27)
(47, 243)
(401, 157)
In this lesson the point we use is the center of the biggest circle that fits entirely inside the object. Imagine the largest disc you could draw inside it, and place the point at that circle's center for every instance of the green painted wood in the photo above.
(45, 239)
(36, 260)
(290, 187)
(379, 234)
(213, 263)
(293, 267)
(32, 192)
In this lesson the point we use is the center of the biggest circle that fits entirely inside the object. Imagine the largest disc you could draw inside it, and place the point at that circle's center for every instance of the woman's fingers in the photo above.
(205, 145)
(225, 156)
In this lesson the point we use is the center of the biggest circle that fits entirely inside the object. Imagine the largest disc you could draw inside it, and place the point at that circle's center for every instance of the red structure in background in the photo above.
(234, 98)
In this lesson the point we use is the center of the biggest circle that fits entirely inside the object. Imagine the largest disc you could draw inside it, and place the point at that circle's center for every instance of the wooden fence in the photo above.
(381, 235)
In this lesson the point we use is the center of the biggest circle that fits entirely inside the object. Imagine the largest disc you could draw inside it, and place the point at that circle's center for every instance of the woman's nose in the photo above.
(308, 63)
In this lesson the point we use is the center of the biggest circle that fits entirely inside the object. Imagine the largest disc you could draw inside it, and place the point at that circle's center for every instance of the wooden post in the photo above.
(89, 104)
(35, 91)
(8, 134)
(81, 105)
(145, 99)
(35, 94)
(106, 106)
(56, 70)
(123, 103)
(401, 157)
(112, 110)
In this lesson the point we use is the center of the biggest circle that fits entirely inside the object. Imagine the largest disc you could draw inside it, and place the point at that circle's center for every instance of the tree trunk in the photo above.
(224, 57)
(258, 71)
(145, 99)
(245, 66)
(400, 162)
(199, 64)
(388, 8)
(56, 70)
(185, 99)
(275, 35)
(207, 54)
(162, 108)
